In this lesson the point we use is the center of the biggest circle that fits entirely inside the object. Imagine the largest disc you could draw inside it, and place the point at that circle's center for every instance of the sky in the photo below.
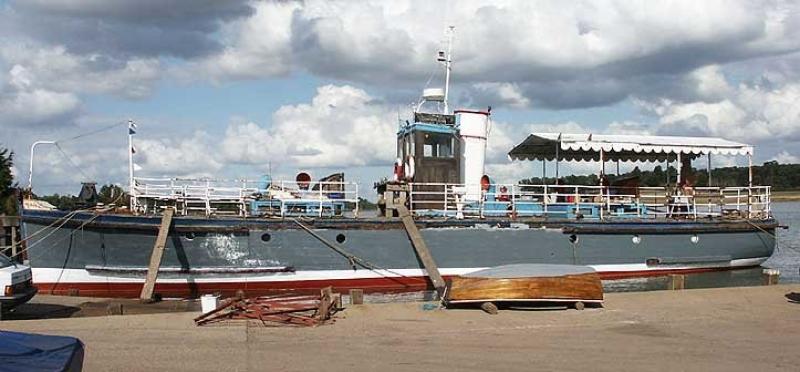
(236, 89)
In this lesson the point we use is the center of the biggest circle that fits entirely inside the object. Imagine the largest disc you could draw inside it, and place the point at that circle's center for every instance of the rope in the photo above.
(351, 257)
(63, 220)
(71, 161)
(774, 236)
(91, 132)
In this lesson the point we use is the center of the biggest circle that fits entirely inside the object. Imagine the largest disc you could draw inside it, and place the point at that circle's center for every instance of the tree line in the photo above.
(781, 177)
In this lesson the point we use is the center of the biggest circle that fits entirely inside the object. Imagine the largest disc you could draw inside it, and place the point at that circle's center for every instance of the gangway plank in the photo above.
(421, 248)
(157, 255)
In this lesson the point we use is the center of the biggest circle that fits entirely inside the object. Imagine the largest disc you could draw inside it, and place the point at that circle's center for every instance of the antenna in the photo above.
(448, 60)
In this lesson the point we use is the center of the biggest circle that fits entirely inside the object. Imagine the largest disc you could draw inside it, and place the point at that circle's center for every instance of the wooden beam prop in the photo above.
(421, 248)
(156, 255)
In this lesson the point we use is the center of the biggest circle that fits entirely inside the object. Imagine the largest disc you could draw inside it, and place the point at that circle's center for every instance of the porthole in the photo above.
(189, 236)
(636, 239)
(340, 238)
(573, 238)
(265, 237)
(695, 239)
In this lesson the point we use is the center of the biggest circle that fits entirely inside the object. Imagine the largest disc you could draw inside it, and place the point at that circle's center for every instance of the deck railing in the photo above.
(244, 197)
(577, 201)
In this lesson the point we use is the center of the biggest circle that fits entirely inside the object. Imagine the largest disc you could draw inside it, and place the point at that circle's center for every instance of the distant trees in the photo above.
(108, 194)
(779, 176)
(8, 205)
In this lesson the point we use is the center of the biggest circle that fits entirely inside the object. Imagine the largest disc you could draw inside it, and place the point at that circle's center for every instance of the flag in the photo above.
(131, 127)
(137, 167)
(133, 149)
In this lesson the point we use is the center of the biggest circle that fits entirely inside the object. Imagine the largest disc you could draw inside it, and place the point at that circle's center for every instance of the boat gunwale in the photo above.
(188, 224)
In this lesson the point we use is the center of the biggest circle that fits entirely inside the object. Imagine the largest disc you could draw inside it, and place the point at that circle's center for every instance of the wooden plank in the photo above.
(677, 282)
(156, 255)
(14, 243)
(421, 248)
(587, 287)
(356, 296)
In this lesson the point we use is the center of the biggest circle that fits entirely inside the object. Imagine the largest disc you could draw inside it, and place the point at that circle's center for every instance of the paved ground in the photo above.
(731, 329)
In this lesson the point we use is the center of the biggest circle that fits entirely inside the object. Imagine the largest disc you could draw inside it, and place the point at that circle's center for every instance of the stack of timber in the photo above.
(282, 310)
(527, 283)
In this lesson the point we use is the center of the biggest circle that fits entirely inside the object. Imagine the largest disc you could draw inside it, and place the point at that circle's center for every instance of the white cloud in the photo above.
(42, 85)
(342, 126)
(36, 106)
(189, 157)
(752, 113)
(54, 68)
(505, 94)
(784, 157)
(551, 53)
(255, 47)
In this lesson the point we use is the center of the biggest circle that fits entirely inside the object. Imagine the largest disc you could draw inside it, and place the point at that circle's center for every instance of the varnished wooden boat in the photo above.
(527, 283)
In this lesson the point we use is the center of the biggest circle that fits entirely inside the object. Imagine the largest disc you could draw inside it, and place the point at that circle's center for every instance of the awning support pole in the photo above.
(617, 167)
(709, 169)
(544, 171)
(680, 163)
(602, 162)
(750, 170)
(558, 146)
(666, 171)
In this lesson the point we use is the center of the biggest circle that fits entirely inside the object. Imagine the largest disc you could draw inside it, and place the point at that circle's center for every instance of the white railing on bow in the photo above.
(576, 201)
(244, 197)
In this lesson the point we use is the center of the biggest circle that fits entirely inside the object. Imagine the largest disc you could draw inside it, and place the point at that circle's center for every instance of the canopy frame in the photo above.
(626, 148)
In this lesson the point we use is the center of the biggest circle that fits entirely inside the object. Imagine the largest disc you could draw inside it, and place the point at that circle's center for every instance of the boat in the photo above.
(265, 236)
(527, 284)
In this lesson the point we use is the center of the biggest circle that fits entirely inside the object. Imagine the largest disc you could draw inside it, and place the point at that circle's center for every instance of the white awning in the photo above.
(586, 147)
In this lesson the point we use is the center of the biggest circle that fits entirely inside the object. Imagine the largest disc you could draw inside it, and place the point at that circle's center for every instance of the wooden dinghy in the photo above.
(527, 283)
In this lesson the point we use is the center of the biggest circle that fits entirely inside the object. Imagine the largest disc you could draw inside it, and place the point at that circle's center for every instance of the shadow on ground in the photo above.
(53, 309)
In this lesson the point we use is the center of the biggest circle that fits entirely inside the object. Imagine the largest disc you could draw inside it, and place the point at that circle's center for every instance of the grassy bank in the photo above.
(785, 196)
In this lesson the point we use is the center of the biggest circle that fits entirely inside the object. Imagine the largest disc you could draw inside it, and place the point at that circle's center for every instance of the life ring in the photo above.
(409, 167)
(303, 180)
(399, 173)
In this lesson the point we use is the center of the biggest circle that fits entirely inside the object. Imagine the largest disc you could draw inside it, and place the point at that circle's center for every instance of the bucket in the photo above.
(209, 302)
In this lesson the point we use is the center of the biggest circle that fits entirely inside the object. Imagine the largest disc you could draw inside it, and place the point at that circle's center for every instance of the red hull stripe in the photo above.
(369, 285)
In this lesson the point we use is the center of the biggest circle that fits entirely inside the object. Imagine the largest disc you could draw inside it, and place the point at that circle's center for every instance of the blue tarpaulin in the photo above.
(33, 352)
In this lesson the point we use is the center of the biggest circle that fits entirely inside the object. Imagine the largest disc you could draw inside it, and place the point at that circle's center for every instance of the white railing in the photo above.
(244, 197)
(576, 201)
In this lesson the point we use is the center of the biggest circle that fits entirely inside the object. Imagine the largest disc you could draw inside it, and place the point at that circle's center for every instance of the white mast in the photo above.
(30, 170)
(131, 191)
(447, 62)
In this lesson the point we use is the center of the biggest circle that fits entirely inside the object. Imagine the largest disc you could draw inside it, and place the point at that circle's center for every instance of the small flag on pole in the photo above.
(133, 149)
(131, 127)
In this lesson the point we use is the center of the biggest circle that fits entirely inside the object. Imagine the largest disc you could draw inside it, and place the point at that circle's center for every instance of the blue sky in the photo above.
(232, 89)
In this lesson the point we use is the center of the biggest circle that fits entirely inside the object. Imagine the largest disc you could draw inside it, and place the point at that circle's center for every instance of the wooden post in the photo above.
(325, 302)
(770, 276)
(422, 249)
(677, 282)
(156, 255)
(356, 296)
(14, 244)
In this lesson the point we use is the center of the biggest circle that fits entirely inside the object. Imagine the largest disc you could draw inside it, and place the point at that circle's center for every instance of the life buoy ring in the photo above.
(399, 171)
(409, 167)
(303, 180)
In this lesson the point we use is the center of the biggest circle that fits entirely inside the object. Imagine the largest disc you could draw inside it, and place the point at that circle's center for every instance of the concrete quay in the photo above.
(725, 329)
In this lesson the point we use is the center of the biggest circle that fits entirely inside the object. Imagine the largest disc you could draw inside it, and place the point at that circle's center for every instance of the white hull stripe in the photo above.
(55, 275)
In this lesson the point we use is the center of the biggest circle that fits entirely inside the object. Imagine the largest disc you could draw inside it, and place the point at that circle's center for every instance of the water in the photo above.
(787, 254)
(786, 259)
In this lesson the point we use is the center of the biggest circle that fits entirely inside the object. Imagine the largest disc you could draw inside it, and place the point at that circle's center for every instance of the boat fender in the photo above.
(398, 170)
(409, 168)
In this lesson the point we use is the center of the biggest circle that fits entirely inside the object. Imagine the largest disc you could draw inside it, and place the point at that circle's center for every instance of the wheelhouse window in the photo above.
(438, 145)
